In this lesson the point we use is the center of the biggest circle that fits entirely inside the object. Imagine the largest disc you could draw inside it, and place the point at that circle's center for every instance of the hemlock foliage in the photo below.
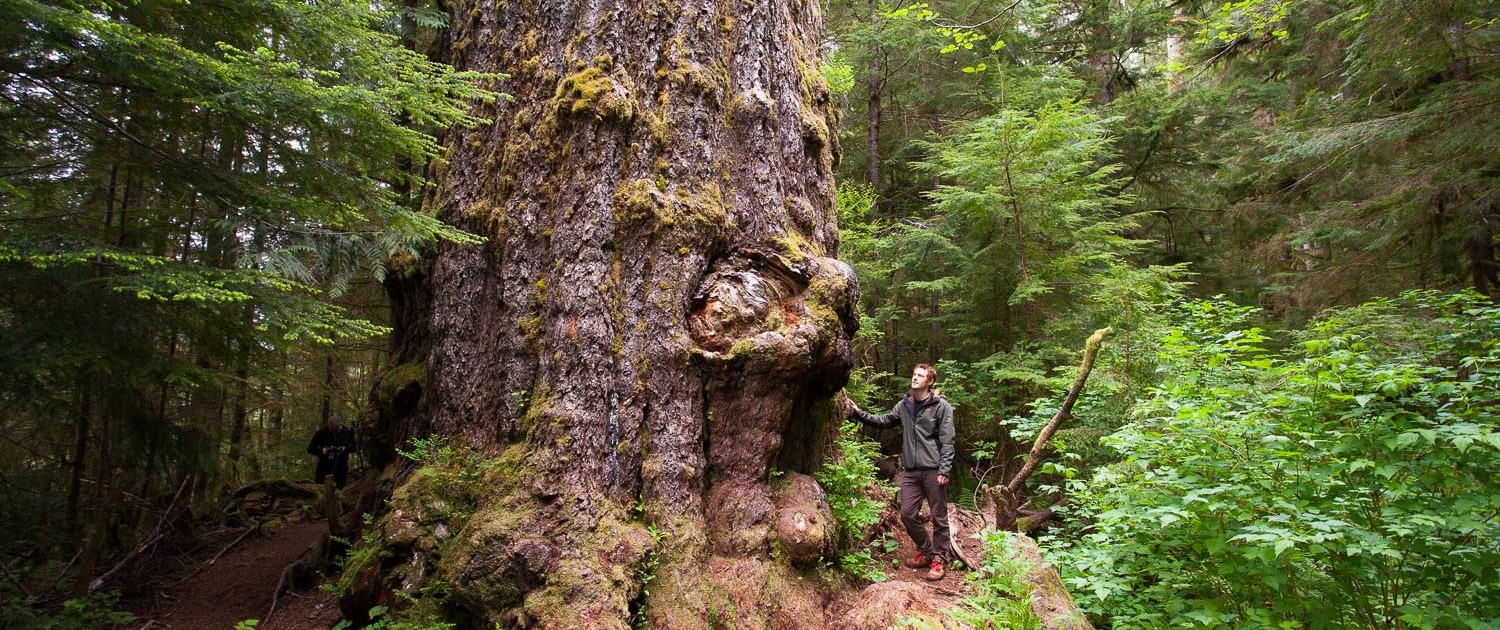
(195, 200)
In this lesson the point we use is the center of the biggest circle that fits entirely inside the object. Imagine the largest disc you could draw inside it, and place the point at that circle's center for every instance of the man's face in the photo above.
(919, 378)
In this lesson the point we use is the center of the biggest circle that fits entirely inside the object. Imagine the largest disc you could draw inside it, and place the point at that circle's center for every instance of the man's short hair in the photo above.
(932, 373)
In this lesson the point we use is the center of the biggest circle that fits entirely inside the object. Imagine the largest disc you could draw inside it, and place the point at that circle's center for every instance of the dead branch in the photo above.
(281, 586)
(145, 545)
(248, 530)
(1007, 502)
(953, 540)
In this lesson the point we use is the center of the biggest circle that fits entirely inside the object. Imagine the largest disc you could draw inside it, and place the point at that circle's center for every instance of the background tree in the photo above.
(171, 174)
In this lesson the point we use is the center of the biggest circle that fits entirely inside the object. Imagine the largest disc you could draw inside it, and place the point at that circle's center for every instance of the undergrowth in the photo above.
(1002, 598)
(20, 611)
(849, 479)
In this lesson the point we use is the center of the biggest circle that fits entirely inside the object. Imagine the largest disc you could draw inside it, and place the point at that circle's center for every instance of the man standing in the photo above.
(926, 422)
(333, 444)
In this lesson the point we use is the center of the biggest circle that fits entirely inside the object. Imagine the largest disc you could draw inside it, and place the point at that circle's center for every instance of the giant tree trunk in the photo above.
(649, 340)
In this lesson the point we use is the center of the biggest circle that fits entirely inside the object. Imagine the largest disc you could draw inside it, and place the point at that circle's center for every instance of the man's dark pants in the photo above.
(915, 486)
(337, 466)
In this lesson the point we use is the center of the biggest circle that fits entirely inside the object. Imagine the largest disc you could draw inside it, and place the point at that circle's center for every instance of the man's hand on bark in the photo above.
(849, 407)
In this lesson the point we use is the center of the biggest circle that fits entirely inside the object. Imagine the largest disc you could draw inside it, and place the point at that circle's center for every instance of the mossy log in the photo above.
(1050, 600)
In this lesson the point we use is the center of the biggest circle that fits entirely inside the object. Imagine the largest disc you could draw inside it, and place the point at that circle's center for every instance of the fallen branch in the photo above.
(958, 548)
(248, 530)
(145, 545)
(1008, 504)
(280, 588)
(56, 583)
(946, 591)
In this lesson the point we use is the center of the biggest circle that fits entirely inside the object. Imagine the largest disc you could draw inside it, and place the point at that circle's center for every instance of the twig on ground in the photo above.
(944, 591)
(64, 572)
(248, 530)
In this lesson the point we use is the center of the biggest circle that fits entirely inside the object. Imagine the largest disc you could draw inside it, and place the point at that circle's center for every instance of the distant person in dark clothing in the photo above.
(333, 444)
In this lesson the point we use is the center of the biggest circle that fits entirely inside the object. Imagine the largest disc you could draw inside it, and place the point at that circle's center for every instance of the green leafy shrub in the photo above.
(863, 565)
(1344, 482)
(848, 479)
(19, 611)
(410, 618)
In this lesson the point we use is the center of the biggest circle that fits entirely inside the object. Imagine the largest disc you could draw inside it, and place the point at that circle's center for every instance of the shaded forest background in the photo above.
(1287, 210)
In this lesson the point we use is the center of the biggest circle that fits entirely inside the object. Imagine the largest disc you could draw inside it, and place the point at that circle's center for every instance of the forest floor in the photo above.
(905, 594)
(240, 586)
(232, 576)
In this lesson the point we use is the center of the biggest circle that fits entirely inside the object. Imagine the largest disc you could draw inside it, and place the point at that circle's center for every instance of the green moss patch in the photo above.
(595, 91)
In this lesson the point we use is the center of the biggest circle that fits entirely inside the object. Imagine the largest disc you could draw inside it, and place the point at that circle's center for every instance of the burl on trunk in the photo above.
(646, 347)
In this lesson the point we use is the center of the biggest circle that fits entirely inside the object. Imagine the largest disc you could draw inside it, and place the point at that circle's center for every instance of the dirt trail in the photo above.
(240, 584)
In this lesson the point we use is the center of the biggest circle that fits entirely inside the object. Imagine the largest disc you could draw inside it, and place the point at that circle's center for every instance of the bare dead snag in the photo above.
(989, 509)
(1008, 503)
(1049, 599)
(251, 529)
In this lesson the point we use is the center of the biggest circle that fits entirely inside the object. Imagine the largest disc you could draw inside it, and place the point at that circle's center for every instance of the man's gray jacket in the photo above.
(926, 432)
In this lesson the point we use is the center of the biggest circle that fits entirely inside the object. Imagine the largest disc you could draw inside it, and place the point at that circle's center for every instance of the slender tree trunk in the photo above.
(872, 136)
(105, 503)
(79, 464)
(1484, 264)
(934, 330)
(127, 197)
(1177, 44)
(109, 199)
(656, 322)
(239, 414)
(325, 407)
(1023, 266)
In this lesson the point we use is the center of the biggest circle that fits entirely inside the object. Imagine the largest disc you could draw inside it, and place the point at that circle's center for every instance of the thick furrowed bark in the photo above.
(656, 322)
